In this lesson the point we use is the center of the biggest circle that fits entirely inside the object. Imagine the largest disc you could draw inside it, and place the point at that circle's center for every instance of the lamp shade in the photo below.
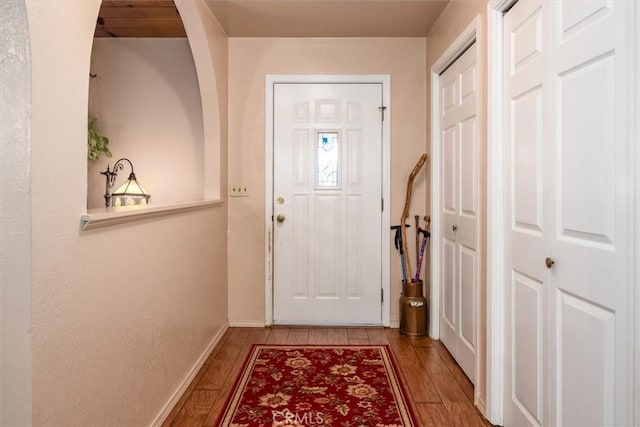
(130, 193)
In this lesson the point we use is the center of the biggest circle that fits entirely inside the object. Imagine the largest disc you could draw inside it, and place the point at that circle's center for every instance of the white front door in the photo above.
(327, 189)
(459, 210)
(568, 200)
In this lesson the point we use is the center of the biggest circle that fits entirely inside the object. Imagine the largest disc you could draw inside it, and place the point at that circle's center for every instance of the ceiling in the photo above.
(276, 18)
(139, 18)
(327, 18)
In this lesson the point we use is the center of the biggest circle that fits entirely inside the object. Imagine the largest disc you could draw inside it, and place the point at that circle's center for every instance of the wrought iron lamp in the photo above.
(130, 193)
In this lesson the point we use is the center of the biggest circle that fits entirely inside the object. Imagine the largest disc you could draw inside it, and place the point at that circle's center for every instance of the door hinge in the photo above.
(381, 109)
(381, 295)
(382, 204)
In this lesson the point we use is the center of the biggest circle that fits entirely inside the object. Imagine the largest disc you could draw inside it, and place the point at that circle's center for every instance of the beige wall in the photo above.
(119, 315)
(456, 17)
(250, 59)
(147, 102)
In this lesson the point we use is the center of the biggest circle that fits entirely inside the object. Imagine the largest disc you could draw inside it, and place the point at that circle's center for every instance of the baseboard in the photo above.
(245, 324)
(168, 407)
(482, 407)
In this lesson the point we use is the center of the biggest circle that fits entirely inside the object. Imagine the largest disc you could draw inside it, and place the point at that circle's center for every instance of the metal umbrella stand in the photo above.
(413, 304)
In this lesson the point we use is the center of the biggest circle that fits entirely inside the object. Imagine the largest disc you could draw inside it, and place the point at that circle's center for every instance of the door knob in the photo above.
(280, 218)
(454, 227)
(549, 262)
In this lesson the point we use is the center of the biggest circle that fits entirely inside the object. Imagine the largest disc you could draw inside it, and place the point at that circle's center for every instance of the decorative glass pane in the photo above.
(328, 160)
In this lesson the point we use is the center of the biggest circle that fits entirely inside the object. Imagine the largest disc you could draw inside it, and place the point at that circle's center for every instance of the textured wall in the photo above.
(120, 315)
(15, 212)
(249, 61)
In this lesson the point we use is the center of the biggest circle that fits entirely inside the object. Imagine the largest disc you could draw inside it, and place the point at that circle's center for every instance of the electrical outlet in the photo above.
(238, 191)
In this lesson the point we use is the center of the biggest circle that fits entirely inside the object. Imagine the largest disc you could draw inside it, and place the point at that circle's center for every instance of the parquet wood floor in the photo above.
(440, 392)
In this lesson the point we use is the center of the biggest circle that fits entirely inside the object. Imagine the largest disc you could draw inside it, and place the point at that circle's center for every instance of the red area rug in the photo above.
(315, 386)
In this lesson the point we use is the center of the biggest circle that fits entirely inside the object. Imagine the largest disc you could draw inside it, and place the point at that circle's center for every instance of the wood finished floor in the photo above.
(440, 392)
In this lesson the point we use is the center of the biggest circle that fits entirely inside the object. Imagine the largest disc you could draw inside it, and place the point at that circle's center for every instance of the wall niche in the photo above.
(144, 93)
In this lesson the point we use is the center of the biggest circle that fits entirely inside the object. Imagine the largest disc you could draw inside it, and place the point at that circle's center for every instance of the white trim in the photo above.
(268, 202)
(184, 384)
(245, 324)
(107, 217)
(383, 79)
(466, 38)
(480, 395)
(471, 34)
(495, 224)
(634, 47)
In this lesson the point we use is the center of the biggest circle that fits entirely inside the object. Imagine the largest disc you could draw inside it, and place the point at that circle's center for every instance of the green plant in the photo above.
(96, 143)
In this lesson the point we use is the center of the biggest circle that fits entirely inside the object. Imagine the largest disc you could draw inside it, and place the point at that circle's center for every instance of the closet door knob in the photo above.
(454, 227)
(549, 262)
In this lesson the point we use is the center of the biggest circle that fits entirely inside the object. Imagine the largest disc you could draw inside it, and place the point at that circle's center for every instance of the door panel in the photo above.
(327, 186)
(587, 146)
(468, 279)
(566, 148)
(590, 175)
(450, 290)
(578, 14)
(526, 364)
(585, 329)
(459, 192)
(526, 171)
(469, 164)
(525, 212)
(450, 165)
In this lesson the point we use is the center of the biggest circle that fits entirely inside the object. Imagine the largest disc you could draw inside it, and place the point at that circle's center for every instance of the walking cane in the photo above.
(426, 235)
(397, 240)
(417, 219)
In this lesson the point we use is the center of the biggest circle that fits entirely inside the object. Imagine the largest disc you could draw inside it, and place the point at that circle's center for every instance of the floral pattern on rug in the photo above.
(318, 386)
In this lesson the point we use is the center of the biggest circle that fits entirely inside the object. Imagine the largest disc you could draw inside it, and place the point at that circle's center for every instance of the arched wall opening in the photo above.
(156, 99)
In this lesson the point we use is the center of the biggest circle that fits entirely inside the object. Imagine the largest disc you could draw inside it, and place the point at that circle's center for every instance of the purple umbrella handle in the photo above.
(421, 257)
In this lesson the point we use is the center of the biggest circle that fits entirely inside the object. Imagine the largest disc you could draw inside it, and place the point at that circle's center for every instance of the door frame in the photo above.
(636, 244)
(385, 81)
(495, 221)
(471, 34)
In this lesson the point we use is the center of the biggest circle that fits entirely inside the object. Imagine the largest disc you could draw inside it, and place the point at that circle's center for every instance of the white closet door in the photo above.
(526, 148)
(590, 174)
(567, 213)
(459, 214)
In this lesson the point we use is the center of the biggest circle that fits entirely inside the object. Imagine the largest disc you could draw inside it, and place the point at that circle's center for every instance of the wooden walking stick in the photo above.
(405, 212)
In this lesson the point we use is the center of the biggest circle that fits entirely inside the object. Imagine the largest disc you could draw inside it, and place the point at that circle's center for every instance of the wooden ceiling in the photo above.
(139, 18)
